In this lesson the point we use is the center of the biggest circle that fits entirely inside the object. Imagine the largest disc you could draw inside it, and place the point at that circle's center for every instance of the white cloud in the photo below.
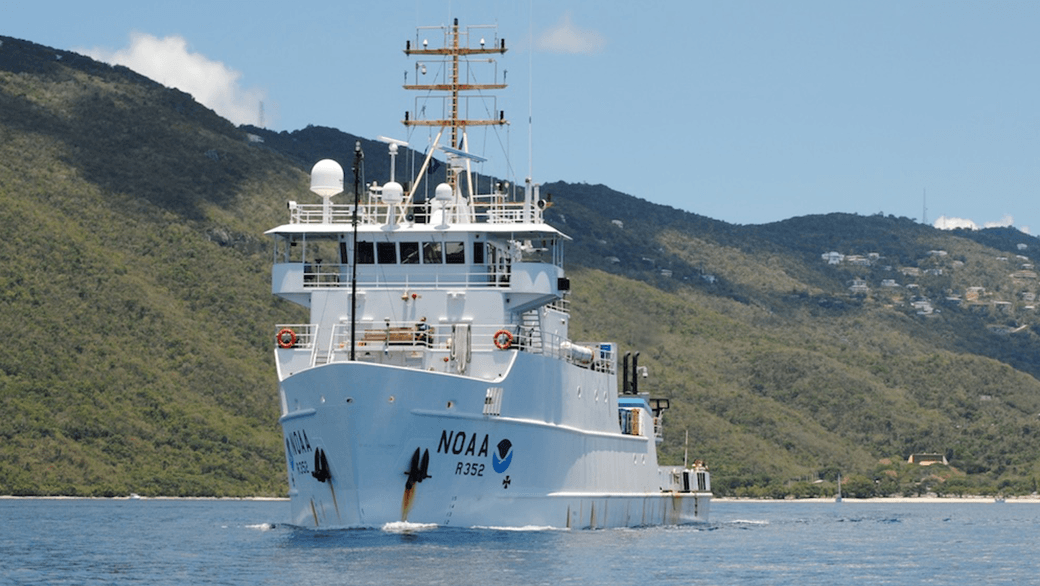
(565, 37)
(947, 223)
(169, 62)
(1003, 222)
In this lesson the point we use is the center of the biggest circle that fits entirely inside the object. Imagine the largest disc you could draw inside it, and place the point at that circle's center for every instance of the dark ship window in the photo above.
(387, 252)
(432, 253)
(409, 253)
(455, 253)
(365, 253)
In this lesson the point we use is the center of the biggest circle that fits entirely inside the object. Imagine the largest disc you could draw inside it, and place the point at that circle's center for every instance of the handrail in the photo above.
(338, 275)
(410, 336)
(486, 206)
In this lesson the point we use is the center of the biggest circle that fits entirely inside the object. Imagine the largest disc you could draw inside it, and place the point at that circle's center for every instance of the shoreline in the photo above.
(147, 498)
(893, 500)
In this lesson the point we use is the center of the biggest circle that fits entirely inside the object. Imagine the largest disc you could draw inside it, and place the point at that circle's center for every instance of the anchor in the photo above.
(321, 466)
(417, 472)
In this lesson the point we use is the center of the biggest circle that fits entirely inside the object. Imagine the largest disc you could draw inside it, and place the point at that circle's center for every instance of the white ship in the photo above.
(436, 382)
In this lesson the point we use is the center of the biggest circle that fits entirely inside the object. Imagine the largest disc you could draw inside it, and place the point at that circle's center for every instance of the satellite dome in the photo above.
(442, 193)
(393, 193)
(327, 178)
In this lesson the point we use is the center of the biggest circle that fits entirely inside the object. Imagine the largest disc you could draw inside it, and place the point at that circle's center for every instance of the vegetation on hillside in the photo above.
(138, 316)
(137, 332)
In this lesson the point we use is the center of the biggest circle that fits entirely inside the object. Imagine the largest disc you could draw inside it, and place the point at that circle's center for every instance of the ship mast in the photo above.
(455, 52)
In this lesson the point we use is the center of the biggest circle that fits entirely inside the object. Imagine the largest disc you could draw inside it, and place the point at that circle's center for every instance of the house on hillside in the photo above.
(858, 287)
(927, 459)
(1024, 275)
(923, 306)
(910, 271)
(833, 258)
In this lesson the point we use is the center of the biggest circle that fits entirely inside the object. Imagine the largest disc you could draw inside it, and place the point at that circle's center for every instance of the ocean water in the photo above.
(156, 541)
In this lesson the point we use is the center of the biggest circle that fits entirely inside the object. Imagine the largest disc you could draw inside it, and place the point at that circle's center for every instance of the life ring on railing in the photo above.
(286, 338)
(503, 340)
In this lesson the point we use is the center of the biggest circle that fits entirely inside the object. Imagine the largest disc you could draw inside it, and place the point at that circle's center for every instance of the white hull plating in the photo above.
(369, 421)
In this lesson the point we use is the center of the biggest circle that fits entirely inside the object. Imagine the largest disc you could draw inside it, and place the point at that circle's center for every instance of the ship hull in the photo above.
(371, 444)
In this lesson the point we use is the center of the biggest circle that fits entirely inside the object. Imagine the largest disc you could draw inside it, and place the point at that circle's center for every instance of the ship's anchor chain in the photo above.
(417, 472)
(321, 466)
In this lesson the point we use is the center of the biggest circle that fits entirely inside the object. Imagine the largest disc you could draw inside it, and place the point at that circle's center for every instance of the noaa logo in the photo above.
(503, 456)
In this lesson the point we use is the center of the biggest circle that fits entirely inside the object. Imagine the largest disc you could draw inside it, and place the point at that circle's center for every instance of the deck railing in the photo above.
(397, 336)
(338, 275)
(486, 208)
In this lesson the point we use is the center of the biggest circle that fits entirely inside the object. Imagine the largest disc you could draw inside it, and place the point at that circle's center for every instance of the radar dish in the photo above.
(327, 178)
(393, 193)
(442, 193)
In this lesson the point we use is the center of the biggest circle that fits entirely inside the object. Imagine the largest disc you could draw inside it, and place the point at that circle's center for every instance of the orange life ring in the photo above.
(503, 340)
(286, 338)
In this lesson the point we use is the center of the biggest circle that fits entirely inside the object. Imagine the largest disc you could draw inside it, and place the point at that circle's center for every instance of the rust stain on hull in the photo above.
(407, 500)
(334, 503)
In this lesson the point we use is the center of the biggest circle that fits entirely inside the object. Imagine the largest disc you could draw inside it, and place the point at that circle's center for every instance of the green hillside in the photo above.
(135, 309)
(138, 315)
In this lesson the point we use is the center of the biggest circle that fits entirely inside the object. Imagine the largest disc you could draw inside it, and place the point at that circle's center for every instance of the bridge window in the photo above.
(455, 253)
(478, 253)
(409, 253)
(387, 252)
(432, 253)
(365, 253)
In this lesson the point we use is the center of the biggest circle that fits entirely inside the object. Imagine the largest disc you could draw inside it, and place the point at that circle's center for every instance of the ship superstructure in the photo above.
(436, 381)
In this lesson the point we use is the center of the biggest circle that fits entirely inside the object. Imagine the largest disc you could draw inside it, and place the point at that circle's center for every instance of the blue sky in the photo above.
(741, 110)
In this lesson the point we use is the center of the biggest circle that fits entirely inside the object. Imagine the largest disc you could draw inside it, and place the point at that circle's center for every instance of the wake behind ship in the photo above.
(436, 382)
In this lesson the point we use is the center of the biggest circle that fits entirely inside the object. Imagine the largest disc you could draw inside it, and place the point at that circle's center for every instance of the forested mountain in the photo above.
(138, 317)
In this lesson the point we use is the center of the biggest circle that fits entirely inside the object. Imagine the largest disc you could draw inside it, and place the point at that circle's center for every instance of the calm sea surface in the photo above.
(148, 541)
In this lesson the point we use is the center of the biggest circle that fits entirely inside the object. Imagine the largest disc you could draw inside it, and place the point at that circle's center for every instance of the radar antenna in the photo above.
(455, 54)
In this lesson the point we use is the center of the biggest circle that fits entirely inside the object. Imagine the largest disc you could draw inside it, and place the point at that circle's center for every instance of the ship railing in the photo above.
(591, 355)
(417, 335)
(495, 210)
(337, 213)
(455, 341)
(301, 336)
(295, 346)
(486, 208)
(391, 335)
(563, 305)
(329, 275)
